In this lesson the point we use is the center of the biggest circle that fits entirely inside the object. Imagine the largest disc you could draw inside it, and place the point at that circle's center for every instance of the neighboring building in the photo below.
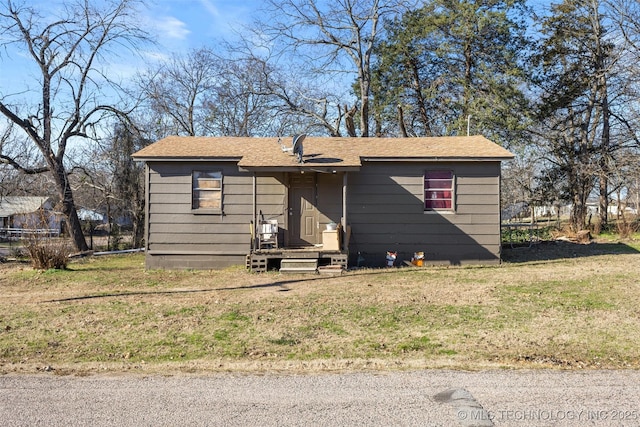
(91, 216)
(28, 213)
(614, 210)
(211, 202)
(514, 211)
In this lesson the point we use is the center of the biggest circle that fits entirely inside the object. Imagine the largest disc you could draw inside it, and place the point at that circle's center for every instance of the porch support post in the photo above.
(254, 201)
(344, 210)
(147, 203)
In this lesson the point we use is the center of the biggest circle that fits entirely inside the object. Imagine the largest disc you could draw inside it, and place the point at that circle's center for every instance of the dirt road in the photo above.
(424, 398)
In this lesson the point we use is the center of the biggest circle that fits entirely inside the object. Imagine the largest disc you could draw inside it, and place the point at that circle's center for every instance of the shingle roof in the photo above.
(322, 151)
(14, 205)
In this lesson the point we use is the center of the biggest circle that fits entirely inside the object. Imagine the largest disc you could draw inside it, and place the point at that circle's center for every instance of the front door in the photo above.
(303, 215)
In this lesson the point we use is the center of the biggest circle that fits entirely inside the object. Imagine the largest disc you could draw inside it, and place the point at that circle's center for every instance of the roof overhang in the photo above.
(323, 153)
(297, 167)
(435, 159)
(318, 167)
(186, 159)
(302, 168)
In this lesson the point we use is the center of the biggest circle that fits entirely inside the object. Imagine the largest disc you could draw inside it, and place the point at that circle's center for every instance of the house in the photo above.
(91, 216)
(219, 201)
(19, 214)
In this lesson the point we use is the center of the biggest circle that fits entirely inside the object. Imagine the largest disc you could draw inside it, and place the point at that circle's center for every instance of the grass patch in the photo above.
(109, 313)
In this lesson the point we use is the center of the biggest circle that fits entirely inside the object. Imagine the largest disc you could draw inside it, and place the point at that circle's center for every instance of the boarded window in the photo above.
(438, 190)
(207, 191)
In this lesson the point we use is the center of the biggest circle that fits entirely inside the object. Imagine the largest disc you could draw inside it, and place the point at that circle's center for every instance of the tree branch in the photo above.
(29, 171)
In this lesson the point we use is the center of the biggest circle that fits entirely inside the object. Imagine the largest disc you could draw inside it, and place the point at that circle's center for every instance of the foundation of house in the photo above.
(295, 260)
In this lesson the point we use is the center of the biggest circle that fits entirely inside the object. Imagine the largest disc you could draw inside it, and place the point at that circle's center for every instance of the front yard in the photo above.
(554, 305)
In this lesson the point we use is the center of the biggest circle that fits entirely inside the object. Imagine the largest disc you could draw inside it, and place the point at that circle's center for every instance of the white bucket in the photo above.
(331, 226)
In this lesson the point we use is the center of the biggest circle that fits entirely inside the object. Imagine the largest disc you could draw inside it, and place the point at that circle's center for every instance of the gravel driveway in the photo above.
(422, 398)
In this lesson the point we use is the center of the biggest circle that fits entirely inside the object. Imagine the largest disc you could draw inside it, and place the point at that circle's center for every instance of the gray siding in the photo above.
(386, 213)
(272, 200)
(178, 237)
(329, 199)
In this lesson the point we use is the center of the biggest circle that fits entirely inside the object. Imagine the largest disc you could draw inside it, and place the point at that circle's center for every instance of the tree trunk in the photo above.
(601, 58)
(348, 121)
(364, 115)
(138, 229)
(422, 108)
(578, 217)
(603, 202)
(403, 128)
(68, 206)
(578, 214)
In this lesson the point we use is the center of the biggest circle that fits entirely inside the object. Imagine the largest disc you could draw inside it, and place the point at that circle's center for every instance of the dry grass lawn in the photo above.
(554, 305)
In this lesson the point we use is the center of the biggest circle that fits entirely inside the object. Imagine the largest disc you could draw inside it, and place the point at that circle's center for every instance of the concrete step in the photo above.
(298, 265)
(331, 270)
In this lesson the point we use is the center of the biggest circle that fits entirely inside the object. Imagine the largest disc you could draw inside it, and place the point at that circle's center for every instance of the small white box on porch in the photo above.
(330, 240)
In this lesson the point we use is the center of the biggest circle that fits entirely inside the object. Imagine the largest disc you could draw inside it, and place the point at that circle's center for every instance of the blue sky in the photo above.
(194, 23)
(177, 25)
(183, 24)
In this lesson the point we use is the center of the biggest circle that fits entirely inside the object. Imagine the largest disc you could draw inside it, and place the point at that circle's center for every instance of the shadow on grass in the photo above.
(282, 284)
(305, 279)
(542, 252)
(130, 294)
(559, 250)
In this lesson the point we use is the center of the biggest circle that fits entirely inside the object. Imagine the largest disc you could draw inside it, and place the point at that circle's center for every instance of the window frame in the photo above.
(451, 190)
(200, 176)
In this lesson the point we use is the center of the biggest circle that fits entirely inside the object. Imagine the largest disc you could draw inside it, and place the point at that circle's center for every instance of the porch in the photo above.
(299, 222)
(298, 260)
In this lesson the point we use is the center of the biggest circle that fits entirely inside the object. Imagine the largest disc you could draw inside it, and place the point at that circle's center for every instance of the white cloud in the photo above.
(181, 24)
(210, 7)
(153, 56)
(171, 28)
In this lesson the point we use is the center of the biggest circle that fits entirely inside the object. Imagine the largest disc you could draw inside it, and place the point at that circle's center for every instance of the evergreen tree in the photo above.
(575, 59)
(455, 66)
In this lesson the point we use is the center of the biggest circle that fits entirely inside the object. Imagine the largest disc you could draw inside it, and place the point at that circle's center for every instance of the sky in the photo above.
(183, 24)
(194, 23)
(176, 25)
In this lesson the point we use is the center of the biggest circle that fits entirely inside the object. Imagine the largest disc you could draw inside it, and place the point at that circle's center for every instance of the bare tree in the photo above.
(300, 105)
(244, 104)
(68, 50)
(114, 183)
(13, 182)
(179, 90)
(328, 33)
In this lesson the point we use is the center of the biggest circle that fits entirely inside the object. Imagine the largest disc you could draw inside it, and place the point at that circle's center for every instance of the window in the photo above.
(207, 191)
(438, 190)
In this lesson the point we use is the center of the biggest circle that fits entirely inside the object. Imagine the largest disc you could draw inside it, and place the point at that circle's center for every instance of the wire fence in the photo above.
(21, 233)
